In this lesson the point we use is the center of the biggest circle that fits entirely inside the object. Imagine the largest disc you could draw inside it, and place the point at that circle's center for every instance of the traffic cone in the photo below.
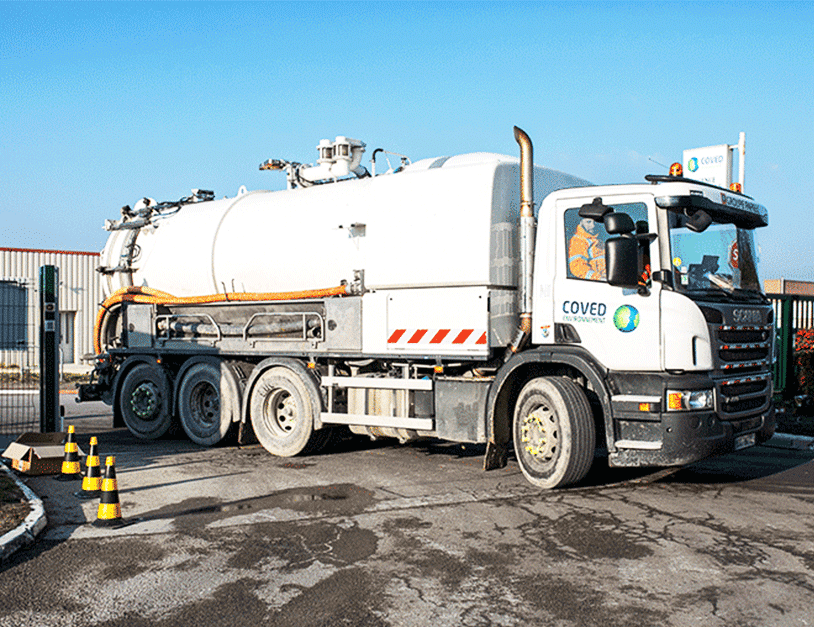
(92, 481)
(110, 511)
(71, 469)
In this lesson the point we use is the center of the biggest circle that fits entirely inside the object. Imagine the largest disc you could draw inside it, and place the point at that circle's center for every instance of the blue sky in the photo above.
(104, 103)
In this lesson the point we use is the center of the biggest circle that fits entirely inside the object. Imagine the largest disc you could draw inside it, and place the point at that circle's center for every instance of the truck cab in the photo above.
(656, 286)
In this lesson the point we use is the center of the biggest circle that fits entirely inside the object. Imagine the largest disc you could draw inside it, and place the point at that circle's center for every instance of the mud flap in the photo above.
(245, 434)
(497, 456)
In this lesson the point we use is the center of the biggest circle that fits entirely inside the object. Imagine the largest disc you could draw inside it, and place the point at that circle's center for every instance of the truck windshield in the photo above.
(721, 259)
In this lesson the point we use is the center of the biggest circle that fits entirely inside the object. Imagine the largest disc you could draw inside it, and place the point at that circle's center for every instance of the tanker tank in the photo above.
(448, 221)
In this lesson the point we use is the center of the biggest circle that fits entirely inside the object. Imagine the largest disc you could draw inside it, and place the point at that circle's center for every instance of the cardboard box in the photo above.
(38, 453)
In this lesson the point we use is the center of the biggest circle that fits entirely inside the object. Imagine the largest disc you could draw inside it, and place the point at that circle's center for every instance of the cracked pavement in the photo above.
(382, 534)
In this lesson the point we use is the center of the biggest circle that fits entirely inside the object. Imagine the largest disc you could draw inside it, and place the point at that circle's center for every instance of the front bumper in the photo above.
(676, 438)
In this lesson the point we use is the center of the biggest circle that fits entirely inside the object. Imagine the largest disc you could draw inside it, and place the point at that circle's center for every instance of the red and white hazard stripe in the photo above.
(437, 337)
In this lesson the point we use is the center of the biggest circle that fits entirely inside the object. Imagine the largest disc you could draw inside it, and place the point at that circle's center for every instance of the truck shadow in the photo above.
(762, 467)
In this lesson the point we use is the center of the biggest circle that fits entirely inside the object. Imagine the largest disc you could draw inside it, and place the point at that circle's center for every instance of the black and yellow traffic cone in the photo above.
(71, 468)
(92, 481)
(110, 510)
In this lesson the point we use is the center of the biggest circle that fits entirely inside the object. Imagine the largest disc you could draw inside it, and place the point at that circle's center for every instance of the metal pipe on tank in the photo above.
(528, 228)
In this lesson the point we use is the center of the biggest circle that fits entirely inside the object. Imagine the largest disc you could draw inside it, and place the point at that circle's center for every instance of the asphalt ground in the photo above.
(23, 515)
(376, 533)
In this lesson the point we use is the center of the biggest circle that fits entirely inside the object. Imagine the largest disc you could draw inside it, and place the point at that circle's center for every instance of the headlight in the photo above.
(686, 400)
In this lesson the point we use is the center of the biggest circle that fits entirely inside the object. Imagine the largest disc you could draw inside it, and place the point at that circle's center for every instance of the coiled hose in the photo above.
(109, 310)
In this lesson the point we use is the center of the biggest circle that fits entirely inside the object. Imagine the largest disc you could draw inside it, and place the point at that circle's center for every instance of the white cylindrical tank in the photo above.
(445, 221)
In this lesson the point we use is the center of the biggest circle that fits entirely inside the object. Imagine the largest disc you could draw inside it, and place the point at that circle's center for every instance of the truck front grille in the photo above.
(735, 335)
(744, 349)
(745, 395)
(742, 361)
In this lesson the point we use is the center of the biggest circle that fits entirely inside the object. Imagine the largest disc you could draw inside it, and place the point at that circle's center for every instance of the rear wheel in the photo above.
(145, 401)
(554, 434)
(208, 400)
(282, 412)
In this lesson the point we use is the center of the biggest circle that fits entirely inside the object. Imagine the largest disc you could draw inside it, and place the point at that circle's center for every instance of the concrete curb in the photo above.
(788, 441)
(28, 530)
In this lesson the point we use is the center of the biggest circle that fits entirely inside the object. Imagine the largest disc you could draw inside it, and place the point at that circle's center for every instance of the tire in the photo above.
(209, 400)
(554, 433)
(145, 401)
(282, 412)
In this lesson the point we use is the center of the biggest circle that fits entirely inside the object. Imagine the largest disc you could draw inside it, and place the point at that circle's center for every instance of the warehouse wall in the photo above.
(80, 293)
(788, 286)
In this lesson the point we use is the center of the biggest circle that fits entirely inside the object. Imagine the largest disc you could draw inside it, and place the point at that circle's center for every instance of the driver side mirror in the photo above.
(619, 224)
(622, 261)
(595, 210)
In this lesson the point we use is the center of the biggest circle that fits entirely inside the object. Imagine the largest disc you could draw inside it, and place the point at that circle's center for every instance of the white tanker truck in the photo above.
(438, 299)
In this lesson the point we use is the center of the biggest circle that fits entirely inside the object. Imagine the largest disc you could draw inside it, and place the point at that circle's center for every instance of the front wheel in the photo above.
(553, 431)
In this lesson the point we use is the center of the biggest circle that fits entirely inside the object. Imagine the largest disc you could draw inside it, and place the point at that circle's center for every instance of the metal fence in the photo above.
(19, 370)
(791, 313)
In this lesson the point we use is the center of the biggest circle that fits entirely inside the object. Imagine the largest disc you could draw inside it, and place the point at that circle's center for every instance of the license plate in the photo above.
(744, 441)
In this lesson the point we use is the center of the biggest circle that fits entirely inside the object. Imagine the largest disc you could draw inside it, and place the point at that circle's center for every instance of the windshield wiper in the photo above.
(710, 292)
(720, 282)
(736, 293)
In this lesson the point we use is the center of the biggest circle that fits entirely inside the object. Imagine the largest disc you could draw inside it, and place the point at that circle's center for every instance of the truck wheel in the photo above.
(145, 401)
(554, 434)
(208, 400)
(282, 412)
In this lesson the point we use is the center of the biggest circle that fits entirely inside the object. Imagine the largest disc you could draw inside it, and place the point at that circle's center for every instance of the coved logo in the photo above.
(580, 311)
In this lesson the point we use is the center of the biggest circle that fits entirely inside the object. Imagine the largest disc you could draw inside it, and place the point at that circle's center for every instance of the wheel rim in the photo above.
(540, 435)
(145, 400)
(280, 412)
(204, 404)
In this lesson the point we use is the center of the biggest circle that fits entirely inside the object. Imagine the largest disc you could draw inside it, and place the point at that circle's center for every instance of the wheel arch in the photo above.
(307, 377)
(572, 362)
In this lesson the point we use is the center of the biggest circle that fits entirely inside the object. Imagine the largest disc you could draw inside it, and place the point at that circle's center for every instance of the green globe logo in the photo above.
(692, 164)
(626, 318)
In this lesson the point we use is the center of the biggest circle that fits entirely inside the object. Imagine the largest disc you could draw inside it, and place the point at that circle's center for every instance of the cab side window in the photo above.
(585, 242)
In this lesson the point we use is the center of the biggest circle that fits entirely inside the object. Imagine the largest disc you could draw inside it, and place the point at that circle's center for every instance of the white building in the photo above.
(80, 293)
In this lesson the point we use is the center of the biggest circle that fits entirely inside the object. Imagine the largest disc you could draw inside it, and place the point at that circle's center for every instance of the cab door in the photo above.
(619, 326)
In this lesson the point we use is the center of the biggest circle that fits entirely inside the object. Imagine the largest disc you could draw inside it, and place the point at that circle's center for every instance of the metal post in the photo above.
(50, 419)
(741, 158)
(786, 356)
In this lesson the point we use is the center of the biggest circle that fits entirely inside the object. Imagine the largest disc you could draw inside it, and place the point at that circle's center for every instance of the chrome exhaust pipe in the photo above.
(527, 232)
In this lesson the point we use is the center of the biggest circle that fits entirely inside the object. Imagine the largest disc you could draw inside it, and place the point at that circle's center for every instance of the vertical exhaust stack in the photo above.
(527, 232)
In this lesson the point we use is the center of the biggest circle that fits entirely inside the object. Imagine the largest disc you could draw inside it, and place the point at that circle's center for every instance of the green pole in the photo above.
(49, 350)
(787, 349)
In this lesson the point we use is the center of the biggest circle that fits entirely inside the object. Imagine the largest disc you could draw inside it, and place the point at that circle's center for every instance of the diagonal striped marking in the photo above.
(416, 337)
(396, 336)
(463, 336)
(439, 337)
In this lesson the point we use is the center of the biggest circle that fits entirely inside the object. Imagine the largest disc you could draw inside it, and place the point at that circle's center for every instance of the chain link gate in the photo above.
(29, 341)
(19, 358)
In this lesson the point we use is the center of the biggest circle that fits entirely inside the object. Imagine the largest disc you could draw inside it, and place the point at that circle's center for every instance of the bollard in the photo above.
(110, 511)
(71, 469)
(92, 481)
